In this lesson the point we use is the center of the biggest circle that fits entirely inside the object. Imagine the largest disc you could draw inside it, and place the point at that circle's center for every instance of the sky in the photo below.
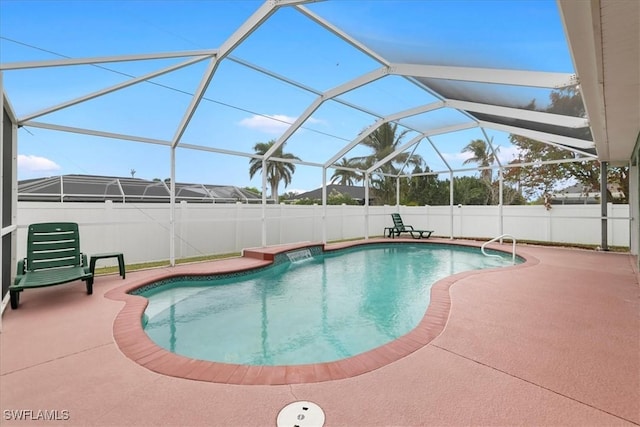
(242, 106)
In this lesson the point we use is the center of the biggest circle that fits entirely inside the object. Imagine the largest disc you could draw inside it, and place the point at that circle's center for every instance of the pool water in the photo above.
(322, 309)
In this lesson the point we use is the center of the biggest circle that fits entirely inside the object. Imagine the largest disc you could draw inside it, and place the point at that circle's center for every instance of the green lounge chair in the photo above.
(53, 258)
(399, 227)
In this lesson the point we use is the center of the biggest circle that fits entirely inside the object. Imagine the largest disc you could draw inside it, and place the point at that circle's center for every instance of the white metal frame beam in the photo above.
(378, 123)
(558, 140)
(341, 34)
(520, 114)
(438, 131)
(446, 163)
(330, 94)
(111, 89)
(505, 166)
(298, 84)
(487, 75)
(393, 155)
(248, 27)
(105, 59)
(101, 134)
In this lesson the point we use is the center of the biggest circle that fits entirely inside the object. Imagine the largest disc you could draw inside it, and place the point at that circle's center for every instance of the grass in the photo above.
(621, 249)
(165, 263)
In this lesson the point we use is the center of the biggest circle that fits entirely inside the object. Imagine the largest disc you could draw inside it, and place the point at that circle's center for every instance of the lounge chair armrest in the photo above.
(20, 272)
(21, 264)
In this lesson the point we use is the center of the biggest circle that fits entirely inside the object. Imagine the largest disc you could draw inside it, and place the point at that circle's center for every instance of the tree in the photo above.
(383, 189)
(289, 195)
(333, 198)
(254, 190)
(425, 189)
(338, 198)
(383, 141)
(344, 176)
(536, 181)
(482, 155)
(588, 174)
(469, 190)
(276, 171)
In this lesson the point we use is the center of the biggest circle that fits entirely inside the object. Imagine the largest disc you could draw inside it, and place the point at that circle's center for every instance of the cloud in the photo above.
(461, 157)
(31, 163)
(507, 154)
(274, 124)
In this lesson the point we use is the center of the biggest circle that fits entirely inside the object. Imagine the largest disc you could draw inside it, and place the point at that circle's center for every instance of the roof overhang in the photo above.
(604, 38)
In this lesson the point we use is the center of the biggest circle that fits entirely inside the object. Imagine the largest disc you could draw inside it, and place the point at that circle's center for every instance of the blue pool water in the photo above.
(329, 307)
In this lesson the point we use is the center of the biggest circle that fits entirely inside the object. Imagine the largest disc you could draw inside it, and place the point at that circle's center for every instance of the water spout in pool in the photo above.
(299, 256)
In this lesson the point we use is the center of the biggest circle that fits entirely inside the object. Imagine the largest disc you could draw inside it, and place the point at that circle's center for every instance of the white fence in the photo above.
(141, 231)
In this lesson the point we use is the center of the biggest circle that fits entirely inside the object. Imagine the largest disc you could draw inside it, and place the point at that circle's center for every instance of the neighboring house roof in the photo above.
(95, 188)
(582, 194)
(356, 193)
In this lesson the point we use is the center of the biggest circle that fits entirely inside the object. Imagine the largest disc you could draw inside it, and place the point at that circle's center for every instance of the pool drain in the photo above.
(301, 414)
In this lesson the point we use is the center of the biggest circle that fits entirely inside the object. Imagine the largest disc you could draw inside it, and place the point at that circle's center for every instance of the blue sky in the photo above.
(240, 104)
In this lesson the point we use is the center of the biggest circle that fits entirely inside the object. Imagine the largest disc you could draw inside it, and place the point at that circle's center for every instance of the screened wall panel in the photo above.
(7, 201)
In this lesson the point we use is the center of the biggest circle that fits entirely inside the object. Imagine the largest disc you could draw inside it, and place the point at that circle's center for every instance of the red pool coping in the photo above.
(137, 346)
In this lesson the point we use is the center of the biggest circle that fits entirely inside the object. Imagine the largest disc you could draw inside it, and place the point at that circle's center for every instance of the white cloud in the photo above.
(507, 154)
(461, 157)
(274, 124)
(31, 163)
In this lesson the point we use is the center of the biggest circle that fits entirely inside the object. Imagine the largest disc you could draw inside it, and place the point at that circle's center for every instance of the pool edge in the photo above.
(134, 343)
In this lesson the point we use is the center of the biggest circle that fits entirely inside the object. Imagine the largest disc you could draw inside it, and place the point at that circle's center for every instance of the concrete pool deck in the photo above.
(554, 343)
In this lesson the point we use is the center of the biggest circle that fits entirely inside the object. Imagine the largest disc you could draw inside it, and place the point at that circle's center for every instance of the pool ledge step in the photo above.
(268, 253)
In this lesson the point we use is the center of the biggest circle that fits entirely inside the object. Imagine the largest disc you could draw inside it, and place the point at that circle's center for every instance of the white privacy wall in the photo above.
(141, 231)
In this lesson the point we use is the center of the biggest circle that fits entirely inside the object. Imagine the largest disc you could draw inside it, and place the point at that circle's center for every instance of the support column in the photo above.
(264, 203)
(366, 206)
(3, 264)
(603, 206)
(501, 203)
(451, 204)
(172, 210)
(324, 204)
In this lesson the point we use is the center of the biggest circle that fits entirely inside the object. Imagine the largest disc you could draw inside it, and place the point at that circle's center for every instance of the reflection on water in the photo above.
(327, 308)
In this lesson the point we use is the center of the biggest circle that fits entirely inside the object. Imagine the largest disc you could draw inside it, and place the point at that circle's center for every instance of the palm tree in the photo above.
(344, 176)
(384, 141)
(482, 155)
(276, 171)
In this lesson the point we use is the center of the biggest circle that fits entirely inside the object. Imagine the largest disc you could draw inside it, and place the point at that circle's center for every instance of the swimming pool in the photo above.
(332, 306)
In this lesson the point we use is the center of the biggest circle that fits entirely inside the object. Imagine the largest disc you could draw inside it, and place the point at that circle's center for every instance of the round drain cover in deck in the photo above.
(301, 414)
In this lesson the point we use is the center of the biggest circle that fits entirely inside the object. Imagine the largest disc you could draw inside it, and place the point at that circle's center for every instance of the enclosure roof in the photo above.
(368, 63)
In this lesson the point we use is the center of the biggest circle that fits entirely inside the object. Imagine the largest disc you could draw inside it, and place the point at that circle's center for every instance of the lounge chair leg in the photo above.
(15, 299)
(90, 286)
